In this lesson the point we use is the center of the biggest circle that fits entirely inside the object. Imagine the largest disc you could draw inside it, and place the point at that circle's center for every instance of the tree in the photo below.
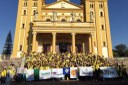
(115, 53)
(126, 52)
(121, 49)
(7, 50)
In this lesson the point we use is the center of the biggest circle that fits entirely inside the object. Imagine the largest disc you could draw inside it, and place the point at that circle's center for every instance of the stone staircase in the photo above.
(20, 62)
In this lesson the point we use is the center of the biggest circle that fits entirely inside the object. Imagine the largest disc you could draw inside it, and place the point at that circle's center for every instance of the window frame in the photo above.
(101, 14)
(24, 12)
(20, 49)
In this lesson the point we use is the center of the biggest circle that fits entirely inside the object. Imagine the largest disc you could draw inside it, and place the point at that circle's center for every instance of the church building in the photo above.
(63, 26)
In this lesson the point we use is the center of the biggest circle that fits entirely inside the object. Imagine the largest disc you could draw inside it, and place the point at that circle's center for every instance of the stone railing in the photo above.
(64, 24)
(63, 27)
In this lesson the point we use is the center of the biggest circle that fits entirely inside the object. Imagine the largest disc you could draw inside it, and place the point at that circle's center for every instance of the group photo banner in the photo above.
(30, 75)
(57, 73)
(85, 71)
(73, 72)
(109, 72)
(45, 74)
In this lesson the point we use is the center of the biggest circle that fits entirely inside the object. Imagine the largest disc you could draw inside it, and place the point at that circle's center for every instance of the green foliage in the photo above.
(126, 52)
(115, 53)
(7, 50)
(120, 50)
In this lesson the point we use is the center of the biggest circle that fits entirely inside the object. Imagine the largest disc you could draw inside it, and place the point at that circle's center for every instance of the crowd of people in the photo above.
(8, 74)
(60, 60)
(48, 60)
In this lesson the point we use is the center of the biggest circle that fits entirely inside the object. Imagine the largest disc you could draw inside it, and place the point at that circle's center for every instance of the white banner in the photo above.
(45, 74)
(109, 72)
(85, 71)
(20, 70)
(30, 74)
(73, 72)
(57, 73)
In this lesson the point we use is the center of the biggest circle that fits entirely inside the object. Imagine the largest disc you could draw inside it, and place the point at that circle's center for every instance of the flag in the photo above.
(66, 70)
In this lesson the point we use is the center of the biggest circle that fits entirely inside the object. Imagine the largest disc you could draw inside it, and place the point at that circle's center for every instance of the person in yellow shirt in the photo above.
(97, 71)
(3, 75)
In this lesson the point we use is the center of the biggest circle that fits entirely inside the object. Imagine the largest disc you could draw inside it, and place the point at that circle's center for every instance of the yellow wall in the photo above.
(99, 36)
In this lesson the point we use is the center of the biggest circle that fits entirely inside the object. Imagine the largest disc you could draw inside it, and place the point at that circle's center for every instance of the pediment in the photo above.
(63, 5)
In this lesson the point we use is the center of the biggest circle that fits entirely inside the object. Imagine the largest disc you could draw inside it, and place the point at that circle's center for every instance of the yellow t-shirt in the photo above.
(46, 68)
(41, 68)
(97, 66)
(3, 73)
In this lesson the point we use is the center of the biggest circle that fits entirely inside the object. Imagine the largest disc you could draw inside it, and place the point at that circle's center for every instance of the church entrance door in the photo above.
(63, 47)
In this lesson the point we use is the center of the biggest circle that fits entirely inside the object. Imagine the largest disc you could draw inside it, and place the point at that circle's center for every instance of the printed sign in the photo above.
(45, 74)
(30, 75)
(57, 73)
(85, 71)
(73, 72)
(109, 72)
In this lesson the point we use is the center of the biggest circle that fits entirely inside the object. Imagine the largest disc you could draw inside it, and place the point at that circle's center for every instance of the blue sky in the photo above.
(118, 13)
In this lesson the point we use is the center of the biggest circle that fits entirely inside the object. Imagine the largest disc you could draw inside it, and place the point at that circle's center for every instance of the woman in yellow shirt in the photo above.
(3, 75)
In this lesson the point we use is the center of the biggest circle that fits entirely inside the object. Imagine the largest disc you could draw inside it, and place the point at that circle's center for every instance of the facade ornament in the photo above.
(91, 16)
(54, 16)
(62, 5)
(73, 15)
(36, 15)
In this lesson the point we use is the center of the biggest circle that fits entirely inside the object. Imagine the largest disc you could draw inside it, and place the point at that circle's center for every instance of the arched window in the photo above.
(102, 27)
(35, 4)
(101, 14)
(104, 43)
(24, 12)
(34, 12)
(78, 20)
(20, 48)
(101, 5)
(25, 3)
(48, 20)
(63, 20)
(23, 25)
(91, 6)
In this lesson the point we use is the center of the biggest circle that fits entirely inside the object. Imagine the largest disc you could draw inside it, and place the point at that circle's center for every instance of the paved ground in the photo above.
(85, 82)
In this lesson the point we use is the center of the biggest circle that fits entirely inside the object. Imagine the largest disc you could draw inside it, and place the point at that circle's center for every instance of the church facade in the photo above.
(63, 26)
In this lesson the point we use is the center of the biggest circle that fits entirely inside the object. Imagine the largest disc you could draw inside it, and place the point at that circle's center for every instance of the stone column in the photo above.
(92, 42)
(73, 43)
(54, 43)
(83, 44)
(34, 42)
